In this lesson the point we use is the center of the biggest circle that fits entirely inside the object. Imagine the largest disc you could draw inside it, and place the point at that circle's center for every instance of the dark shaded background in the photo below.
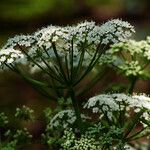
(25, 16)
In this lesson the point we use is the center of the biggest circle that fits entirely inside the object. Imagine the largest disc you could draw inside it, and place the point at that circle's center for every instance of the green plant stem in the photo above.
(93, 62)
(132, 123)
(50, 69)
(106, 117)
(132, 84)
(99, 76)
(39, 65)
(136, 134)
(106, 147)
(79, 66)
(122, 115)
(39, 86)
(67, 68)
(133, 139)
(76, 109)
(71, 62)
(59, 63)
(54, 87)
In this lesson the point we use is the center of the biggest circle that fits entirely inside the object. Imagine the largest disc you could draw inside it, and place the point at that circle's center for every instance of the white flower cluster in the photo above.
(68, 139)
(115, 31)
(47, 36)
(24, 113)
(130, 57)
(123, 147)
(148, 39)
(142, 101)
(85, 143)
(71, 142)
(140, 48)
(65, 118)
(147, 48)
(20, 40)
(108, 59)
(10, 55)
(3, 119)
(109, 103)
(141, 146)
(111, 32)
(132, 68)
(42, 43)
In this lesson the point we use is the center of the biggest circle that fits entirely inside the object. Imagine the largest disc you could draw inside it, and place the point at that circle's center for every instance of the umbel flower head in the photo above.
(60, 52)
(111, 104)
(130, 57)
(65, 118)
(24, 113)
(3, 120)
(41, 43)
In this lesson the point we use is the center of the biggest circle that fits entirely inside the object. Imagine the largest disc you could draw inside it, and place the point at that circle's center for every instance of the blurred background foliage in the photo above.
(26, 16)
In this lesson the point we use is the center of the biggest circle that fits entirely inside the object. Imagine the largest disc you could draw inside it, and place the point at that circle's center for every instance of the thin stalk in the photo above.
(52, 71)
(105, 115)
(97, 59)
(106, 147)
(93, 82)
(32, 82)
(67, 68)
(59, 62)
(39, 65)
(48, 65)
(71, 62)
(137, 133)
(54, 87)
(87, 70)
(76, 109)
(44, 93)
(122, 115)
(122, 55)
(140, 136)
(80, 62)
(46, 52)
(10, 67)
(93, 62)
(132, 84)
(132, 123)
(42, 84)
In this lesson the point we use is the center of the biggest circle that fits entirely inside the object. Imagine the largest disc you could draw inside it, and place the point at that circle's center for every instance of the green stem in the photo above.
(71, 62)
(100, 75)
(106, 117)
(91, 65)
(122, 115)
(46, 52)
(39, 86)
(106, 147)
(79, 66)
(76, 109)
(39, 65)
(132, 123)
(136, 134)
(56, 90)
(50, 69)
(136, 138)
(67, 68)
(132, 84)
(59, 63)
